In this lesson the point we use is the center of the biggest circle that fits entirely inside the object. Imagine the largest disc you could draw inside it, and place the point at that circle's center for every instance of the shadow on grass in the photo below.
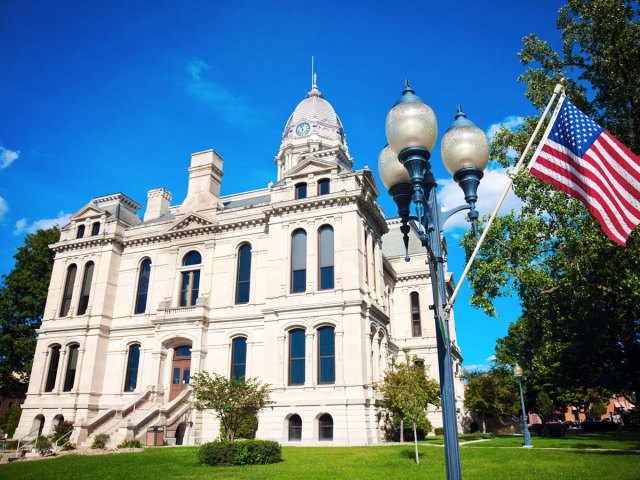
(607, 453)
(411, 454)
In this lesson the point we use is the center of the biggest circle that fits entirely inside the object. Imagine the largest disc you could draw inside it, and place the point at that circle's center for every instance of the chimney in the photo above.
(205, 177)
(158, 202)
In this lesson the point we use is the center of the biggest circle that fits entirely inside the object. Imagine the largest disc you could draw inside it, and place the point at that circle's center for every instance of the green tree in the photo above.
(597, 409)
(408, 392)
(493, 393)
(23, 294)
(545, 407)
(9, 420)
(579, 332)
(232, 400)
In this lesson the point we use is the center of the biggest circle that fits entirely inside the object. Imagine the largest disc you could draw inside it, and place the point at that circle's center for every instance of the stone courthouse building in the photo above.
(302, 284)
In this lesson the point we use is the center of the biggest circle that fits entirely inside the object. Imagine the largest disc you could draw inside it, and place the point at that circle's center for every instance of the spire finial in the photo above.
(315, 81)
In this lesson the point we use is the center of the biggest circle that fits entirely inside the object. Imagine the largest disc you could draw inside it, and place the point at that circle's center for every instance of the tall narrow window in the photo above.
(72, 363)
(190, 284)
(299, 262)
(80, 231)
(416, 327)
(323, 186)
(295, 428)
(325, 427)
(52, 372)
(86, 288)
(95, 228)
(243, 282)
(68, 290)
(296, 357)
(326, 355)
(301, 191)
(131, 380)
(143, 286)
(373, 254)
(239, 358)
(366, 258)
(325, 242)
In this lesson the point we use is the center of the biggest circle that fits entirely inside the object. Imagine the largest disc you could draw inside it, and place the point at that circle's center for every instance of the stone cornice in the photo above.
(82, 243)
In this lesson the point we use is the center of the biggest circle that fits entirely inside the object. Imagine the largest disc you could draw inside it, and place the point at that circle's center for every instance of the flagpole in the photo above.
(556, 91)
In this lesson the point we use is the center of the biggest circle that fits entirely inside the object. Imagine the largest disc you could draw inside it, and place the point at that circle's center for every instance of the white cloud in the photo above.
(7, 157)
(491, 358)
(23, 226)
(491, 187)
(477, 366)
(4, 208)
(511, 122)
(229, 105)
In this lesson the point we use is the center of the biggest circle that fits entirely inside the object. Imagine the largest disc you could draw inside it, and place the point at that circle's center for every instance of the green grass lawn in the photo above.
(353, 463)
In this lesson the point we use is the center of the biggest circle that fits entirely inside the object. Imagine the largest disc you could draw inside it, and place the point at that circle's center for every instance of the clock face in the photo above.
(303, 129)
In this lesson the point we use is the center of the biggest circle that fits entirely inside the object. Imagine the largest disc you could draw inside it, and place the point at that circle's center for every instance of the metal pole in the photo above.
(527, 436)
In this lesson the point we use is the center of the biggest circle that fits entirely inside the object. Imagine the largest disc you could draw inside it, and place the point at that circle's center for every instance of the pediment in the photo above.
(189, 222)
(88, 211)
(311, 165)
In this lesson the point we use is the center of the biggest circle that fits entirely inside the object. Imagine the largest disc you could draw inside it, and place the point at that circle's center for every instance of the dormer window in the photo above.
(80, 231)
(301, 191)
(95, 229)
(323, 186)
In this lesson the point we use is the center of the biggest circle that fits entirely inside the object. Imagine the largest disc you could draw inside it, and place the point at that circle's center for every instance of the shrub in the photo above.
(599, 426)
(555, 430)
(130, 444)
(9, 420)
(439, 431)
(631, 420)
(249, 452)
(100, 441)
(43, 445)
(62, 429)
(68, 446)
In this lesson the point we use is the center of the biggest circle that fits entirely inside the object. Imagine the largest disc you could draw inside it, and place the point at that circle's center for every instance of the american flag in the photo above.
(581, 158)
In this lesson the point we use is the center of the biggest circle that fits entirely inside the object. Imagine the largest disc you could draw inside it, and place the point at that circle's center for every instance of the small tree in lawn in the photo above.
(545, 407)
(232, 400)
(408, 392)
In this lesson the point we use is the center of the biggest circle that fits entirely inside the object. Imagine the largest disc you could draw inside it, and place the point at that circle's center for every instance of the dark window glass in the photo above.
(323, 186)
(325, 429)
(86, 288)
(299, 262)
(54, 360)
(296, 357)
(238, 358)
(132, 368)
(190, 288)
(182, 351)
(72, 363)
(95, 228)
(325, 241)
(301, 191)
(192, 258)
(143, 286)
(176, 376)
(68, 290)
(366, 258)
(416, 327)
(326, 355)
(295, 428)
(80, 231)
(186, 374)
(244, 274)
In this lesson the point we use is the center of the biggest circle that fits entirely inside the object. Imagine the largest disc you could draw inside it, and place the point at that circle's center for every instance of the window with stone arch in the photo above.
(142, 291)
(80, 231)
(85, 289)
(238, 358)
(323, 186)
(296, 356)
(72, 365)
(67, 293)
(190, 279)
(325, 427)
(301, 191)
(133, 362)
(295, 428)
(243, 276)
(95, 228)
(416, 326)
(326, 355)
(325, 257)
(299, 261)
(52, 370)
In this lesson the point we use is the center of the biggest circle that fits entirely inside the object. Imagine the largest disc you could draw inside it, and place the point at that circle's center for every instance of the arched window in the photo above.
(133, 360)
(243, 282)
(80, 231)
(68, 290)
(323, 186)
(301, 191)
(299, 262)
(326, 355)
(416, 327)
(295, 428)
(238, 358)
(72, 363)
(190, 284)
(143, 286)
(325, 266)
(296, 357)
(95, 228)
(52, 371)
(325, 427)
(86, 288)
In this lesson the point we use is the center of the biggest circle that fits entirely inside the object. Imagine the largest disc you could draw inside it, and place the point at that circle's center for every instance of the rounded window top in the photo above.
(192, 258)
(183, 351)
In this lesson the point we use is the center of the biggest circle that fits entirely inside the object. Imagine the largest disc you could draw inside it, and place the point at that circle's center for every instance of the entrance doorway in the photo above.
(180, 431)
(180, 370)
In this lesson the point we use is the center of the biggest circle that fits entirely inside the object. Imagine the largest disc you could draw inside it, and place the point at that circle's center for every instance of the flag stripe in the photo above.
(622, 164)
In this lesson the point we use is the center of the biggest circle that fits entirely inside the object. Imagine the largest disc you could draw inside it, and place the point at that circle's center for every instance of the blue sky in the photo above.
(99, 97)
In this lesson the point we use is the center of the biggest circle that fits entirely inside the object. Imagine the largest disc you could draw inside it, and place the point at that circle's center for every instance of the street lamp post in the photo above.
(404, 167)
(517, 372)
